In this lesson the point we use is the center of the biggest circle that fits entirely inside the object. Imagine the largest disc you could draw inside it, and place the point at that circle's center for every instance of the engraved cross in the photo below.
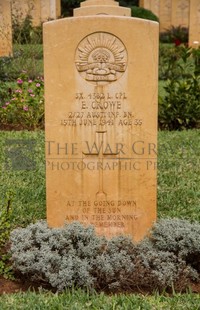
(98, 150)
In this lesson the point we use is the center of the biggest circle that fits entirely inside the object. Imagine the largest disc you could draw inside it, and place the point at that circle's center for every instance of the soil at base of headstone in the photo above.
(8, 286)
(19, 285)
(12, 127)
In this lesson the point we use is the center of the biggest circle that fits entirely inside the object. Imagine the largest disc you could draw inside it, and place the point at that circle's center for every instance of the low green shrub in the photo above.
(175, 35)
(179, 237)
(5, 93)
(180, 108)
(129, 3)
(170, 62)
(61, 257)
(75, 256)
(4, 64)
(27, 57)
(23, 32)
(25, 107)
(143, 13)
(113, 268)
(67, 6)
(159, 269)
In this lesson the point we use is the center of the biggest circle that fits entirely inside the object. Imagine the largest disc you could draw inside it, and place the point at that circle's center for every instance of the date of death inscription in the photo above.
(99, 109)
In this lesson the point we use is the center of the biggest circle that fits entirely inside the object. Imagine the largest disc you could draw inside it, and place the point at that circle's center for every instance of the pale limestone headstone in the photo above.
(101, 7)
(101, 121)
(22, 8)
(170, 12)
(165, 17)
(5, 29)
(19, 9)
(194, 24)
(152, 5)
(50, 9)
(180, 13)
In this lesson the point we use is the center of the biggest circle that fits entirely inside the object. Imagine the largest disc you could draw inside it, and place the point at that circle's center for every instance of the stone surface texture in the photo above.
(101, 122)
(22, 8)
(50, 9)
(5, 29)
(180, 12)
(194, 27)
(152, 5)
(102, 7)
(39, 10)
(165, 14)
(171, 12)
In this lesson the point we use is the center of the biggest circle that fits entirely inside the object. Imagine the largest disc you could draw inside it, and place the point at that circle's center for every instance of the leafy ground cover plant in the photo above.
(180, 108)
(27, 57)
(171, 63)
(4, 64)
(24, 32)
(175, 35)
(75, 256)
(25, 108)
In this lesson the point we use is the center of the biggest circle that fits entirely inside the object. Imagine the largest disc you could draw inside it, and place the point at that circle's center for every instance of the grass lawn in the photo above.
(78, 300)
(178, 196)
(178, 175)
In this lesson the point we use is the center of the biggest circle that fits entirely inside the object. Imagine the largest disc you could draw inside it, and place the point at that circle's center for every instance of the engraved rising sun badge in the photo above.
(101, 58)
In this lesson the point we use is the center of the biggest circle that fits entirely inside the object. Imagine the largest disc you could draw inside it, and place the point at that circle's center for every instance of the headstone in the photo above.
(101, 7)
(35, 12)
(56, 12)
(180, 13)
(165, 14)
(101, 121)
(50, 9)
(194, 24)
(5, 29)
(152, 5)
(22, 8)
(19, 10)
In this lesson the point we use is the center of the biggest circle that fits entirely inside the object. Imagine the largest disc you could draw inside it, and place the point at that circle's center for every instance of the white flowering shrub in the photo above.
(60, 257)
(114, 267)
(75, 256)
(159, 269)
(179, 237)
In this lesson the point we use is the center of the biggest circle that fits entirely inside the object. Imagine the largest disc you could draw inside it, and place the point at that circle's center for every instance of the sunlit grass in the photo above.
(178, 196)
(79, 300)
(178, 176)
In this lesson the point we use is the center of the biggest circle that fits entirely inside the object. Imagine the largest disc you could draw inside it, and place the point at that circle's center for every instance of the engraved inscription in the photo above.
(101, 58)
(105, 213)
(101, 109)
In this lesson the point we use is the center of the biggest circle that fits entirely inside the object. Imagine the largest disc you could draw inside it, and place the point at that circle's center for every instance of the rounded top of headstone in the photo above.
(101, 7)
(99, 2)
